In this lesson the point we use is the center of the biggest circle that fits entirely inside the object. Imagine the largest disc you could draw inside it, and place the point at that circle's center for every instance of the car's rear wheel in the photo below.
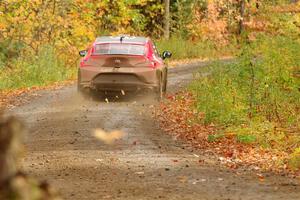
(165, 83)
(160, 90)
(85, 92)
(79, 87)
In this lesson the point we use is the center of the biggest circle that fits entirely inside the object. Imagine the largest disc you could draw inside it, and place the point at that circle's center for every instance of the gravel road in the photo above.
(144, 164)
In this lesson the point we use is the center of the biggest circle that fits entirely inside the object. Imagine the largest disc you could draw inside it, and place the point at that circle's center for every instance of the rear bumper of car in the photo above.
(118, 86)
(123, 79)
(124, 87)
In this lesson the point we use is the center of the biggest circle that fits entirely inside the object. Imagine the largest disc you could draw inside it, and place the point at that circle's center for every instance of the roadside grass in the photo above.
(40, 70)
(187, 49)
(257, 96)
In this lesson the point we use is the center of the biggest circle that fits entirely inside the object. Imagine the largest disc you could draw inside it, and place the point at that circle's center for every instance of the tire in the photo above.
(160, 89)
(79, 87)
(82, 91)
(165, 83)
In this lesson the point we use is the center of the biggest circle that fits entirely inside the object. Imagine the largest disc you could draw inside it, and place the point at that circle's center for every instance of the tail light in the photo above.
(153, 64)
(86, 58)
(82, 63)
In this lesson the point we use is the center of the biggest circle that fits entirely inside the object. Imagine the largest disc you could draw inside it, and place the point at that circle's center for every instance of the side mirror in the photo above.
(83, 53)
(166, 54)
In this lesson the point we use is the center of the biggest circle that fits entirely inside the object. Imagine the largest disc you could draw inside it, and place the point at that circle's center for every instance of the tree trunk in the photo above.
(242, 15)
(167, 19)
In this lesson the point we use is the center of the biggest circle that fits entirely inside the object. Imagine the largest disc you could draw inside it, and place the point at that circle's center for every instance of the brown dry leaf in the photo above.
(108, 137)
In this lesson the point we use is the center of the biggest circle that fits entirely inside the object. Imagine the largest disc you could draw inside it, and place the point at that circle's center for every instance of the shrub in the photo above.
(183, 48)
(42, 69)
(257, 95)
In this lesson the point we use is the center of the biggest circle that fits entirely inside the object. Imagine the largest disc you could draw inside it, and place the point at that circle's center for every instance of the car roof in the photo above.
(117, 39)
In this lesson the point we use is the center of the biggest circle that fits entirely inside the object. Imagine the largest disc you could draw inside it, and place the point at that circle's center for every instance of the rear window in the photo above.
(119, 49)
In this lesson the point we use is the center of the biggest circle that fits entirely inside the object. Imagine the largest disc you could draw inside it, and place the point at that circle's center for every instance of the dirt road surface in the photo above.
(144, 164)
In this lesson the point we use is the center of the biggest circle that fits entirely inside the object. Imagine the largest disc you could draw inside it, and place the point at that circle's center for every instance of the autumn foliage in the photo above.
(247, 109)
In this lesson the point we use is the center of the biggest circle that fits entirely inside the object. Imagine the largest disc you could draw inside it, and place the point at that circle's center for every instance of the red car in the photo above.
(123, 64)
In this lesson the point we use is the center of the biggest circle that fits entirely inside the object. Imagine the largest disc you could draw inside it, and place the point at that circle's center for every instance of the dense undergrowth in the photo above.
(186, 49)
(257, 96)
(35, 70)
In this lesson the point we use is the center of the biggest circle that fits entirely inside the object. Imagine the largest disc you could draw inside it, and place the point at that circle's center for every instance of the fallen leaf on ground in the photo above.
(177, 117)
(108, 137)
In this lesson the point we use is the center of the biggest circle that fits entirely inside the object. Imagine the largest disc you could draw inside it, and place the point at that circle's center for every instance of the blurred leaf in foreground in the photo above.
(108, 137)
(13, 183)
